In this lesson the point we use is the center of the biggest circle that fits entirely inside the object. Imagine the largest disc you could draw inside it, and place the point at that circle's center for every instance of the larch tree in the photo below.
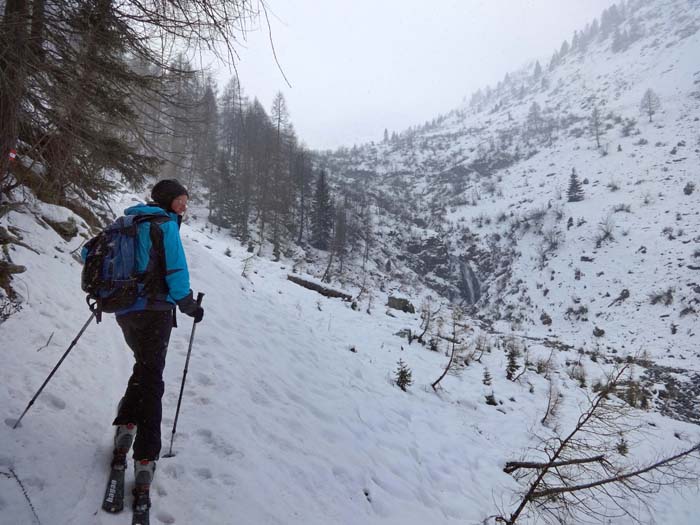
(322, 222)
(650, 103)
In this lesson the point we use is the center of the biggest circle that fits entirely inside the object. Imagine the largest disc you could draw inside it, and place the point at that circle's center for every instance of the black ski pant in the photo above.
(147, 333)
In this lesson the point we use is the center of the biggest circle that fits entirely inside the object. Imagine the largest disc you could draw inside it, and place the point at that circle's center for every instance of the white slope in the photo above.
(656, 241)
(281, 422)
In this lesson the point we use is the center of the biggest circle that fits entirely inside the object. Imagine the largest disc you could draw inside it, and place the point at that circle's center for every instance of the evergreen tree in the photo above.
(78, 77)
(554, 61)
(564, 50)
(341, 232)
(322, 218)
(403, 376)
(538, 70)
(512, 366)
(575, 191)
(534, 120)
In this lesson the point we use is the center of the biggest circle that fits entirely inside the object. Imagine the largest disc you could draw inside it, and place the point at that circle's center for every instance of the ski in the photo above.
(142, 504)
(114, 494)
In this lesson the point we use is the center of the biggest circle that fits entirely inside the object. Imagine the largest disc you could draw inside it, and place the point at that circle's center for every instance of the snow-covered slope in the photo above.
(290, 413)
(487, 184)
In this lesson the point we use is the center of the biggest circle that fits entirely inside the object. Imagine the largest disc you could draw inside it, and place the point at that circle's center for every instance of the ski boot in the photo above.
(123, 438)
(143, 473)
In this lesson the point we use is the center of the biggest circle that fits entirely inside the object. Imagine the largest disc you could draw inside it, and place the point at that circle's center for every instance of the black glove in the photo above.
(189, 306)
(198, 314)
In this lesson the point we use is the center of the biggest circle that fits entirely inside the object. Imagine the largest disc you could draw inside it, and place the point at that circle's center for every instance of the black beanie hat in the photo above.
(165, 191)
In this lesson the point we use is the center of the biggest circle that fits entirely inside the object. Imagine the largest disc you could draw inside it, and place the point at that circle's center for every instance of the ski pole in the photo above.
(170, 454)
(54, 369)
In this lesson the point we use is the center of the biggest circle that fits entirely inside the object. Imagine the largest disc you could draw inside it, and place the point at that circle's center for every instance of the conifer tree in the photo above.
(538, 70)
(512, 366)
(404, 376)
(322, 221)
(575, 191)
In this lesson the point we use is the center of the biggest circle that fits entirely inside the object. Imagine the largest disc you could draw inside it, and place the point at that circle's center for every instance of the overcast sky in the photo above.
(359, 66)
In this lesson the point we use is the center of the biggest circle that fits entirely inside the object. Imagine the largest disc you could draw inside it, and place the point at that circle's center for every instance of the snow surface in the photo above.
(281, 422)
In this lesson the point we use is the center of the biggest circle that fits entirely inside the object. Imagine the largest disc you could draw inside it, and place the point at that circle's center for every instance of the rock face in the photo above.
(676, 389)
(398, 303)
(66, 229)
(429, 256)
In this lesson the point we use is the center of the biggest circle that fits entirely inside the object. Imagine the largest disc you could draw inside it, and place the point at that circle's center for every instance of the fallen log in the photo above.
(323, 290)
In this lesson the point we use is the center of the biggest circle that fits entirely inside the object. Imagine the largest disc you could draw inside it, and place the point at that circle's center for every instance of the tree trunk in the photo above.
(13, 70)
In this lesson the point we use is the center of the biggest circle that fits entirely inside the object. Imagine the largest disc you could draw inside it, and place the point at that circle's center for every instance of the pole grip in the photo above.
(200, 296)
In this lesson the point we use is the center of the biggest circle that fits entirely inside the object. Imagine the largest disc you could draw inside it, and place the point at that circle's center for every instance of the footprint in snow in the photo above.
(204, 380)
(54, 401)
(165, 517)
(219, 446)
(174, 471)
(206, 435)
(259, 398)
(203, 473)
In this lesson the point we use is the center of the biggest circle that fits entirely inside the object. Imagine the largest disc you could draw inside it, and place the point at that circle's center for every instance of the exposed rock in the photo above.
(398, 303)
(66, 229)
(545, 318)
(6, 271)
(598, 332)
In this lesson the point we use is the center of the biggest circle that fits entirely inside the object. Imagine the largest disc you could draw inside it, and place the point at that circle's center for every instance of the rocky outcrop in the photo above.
(398, 303)
(66, 229)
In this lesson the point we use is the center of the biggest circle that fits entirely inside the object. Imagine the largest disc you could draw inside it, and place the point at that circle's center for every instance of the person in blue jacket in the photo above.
(147, 324)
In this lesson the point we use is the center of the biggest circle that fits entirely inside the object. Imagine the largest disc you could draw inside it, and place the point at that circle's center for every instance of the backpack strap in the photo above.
(154, 285)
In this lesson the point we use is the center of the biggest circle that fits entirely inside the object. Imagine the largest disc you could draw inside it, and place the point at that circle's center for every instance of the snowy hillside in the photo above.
(290, 412)
(474, 204)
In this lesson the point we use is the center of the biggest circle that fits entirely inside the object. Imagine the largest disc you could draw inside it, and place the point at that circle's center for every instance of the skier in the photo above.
(146, 326)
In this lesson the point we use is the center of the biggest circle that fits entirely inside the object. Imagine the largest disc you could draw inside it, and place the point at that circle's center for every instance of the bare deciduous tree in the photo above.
(587, 475)
(455, 340)
(650, 103)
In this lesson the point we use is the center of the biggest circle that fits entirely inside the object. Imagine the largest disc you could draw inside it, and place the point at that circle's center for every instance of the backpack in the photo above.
(110, 276)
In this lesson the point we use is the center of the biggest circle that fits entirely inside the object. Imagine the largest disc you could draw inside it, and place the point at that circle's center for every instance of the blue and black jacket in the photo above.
(161, 257)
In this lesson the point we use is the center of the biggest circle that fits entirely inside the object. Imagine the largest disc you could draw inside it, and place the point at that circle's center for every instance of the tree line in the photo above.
(90, 88)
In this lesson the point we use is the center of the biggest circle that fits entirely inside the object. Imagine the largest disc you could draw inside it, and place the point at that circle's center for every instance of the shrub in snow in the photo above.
(689, 188)
(579, 313)
(605, 231)
(403, 376)
(491, 399)
(622, 446)
(578, 373)
(487, 377)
